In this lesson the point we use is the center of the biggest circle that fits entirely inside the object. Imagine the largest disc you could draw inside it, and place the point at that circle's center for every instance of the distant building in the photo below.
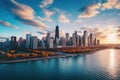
(49, 41)
(91, 39)
(28, 36)
(41, 44)
(56, 42)
(74, 40)
(85, 38)
(88, 40)
(63, 42)
(95, 41)
(13, 42)
(80, 41)
(67, 36)
(98, 42)
(57, 32)
(33, 42)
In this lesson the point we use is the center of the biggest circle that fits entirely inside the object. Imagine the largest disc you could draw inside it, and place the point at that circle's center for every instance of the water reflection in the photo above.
(112, 63)
(112, 58)
(101, 65)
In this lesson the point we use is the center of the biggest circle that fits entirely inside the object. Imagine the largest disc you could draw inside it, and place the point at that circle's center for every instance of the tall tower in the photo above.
(57, 36)
(28, 40)
(85, 38)
(13, 42)
(33, 42)
(91, 39)
(57, 32)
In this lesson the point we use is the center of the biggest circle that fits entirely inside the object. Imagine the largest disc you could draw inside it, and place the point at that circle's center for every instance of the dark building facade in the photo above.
(57, 32)
(14, 42)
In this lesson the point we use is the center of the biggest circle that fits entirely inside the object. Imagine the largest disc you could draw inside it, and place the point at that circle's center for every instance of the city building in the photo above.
(28, 36)
(13, 42)
(56, 42)
(33, 42)
(98, 42)
(91, 39)
(85, 39)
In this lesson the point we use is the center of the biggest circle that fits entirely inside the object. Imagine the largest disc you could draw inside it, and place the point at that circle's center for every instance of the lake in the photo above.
(101, 65)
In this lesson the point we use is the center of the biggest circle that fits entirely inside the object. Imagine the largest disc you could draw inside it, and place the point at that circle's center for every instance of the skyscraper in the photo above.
(67, 39)
(13, 42)
(28, 40)
(33, 42)
(56, 36)
(95, 41)
(91, 39)
(57, 32)
(85, 38)
(67, 36)
(98, 42)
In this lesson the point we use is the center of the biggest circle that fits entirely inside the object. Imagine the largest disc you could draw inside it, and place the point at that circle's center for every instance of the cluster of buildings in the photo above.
(32, 42)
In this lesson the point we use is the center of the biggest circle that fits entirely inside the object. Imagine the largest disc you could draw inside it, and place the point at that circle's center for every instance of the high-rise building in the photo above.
(13, 42)
(85, 38)
(67, 36)
(20, 41)
(74, 40)
(67, 39)
(63, 42)
(98, 42)
(56, 42)
(57, 32)
(51, 43)
(28, 36)
(80, 41)
(88, 40)
(91, 39)
(33, 42)
(95, 41)
(41, 44)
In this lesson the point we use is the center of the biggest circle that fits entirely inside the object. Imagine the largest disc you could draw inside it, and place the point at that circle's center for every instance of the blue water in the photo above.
(102, 65)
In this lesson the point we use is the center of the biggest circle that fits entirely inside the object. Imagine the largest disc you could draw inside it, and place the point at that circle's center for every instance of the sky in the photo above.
(99, 17)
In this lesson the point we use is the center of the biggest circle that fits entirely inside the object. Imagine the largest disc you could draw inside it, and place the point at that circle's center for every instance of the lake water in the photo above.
(102, 65)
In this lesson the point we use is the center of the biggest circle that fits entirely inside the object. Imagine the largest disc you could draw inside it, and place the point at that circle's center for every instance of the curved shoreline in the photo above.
(49, 57)
(41, 58)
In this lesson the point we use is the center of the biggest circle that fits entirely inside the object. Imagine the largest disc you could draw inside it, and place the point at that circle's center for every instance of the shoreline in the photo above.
(41, 58)
(49, 57)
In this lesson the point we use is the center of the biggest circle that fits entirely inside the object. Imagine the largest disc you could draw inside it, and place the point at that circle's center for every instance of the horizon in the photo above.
(100, 17)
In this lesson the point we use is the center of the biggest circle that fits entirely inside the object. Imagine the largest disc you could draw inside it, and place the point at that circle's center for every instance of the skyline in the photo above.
(101, 17)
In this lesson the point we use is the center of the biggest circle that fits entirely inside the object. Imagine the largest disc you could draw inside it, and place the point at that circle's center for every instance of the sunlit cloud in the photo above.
(26, 15)
(110, 4)
(63, 18)
(7, 24)
(90, 11)
(46, 3)
(48, 15)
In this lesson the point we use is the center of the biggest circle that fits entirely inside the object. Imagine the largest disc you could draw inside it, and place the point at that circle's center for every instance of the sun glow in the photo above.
(111, 38)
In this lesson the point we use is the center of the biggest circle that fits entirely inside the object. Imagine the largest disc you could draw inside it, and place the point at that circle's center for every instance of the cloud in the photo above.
(110, 4)
(79, 21)
(90, 11)
(63, 18)
(26, 15)
(46, 3)
(48, 15)
(1, 37)
(7, 24)
(43, 33)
